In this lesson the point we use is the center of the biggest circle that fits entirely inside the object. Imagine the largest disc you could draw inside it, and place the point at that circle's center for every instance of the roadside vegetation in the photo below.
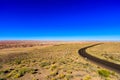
(55, 62)
(109, 51)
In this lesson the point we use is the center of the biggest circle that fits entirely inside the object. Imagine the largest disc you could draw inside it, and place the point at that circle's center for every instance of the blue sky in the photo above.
(60, 19)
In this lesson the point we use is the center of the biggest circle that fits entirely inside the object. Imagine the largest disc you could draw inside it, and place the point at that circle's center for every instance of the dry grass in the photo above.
(57, 62)
(109, 51)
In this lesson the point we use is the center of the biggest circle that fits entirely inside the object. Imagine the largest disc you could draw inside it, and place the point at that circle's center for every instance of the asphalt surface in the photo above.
(104, 63)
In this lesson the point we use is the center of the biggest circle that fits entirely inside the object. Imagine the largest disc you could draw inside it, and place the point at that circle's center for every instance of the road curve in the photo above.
(104, 63)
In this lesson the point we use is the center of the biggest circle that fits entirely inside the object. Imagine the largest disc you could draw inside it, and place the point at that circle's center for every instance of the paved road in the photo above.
(109, 65)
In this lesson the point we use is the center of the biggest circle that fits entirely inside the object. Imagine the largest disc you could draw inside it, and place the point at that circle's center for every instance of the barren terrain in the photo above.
(52, 61)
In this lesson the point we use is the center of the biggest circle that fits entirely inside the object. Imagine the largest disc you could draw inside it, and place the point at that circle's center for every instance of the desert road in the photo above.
(104, 63)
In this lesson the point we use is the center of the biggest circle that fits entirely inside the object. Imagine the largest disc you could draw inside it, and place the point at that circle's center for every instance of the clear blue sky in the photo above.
(60, 19)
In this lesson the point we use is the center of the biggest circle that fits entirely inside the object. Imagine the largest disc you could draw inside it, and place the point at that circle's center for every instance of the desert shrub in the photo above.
(5, 71)
(62, 61)
(53, 67)
(61, 76)
(45, 63)
(69, 71)
(1, 66)
(54, 73)
(11, 73)
(107, 78)
(17, 61)
(68, 76)
(104, 73)
(19, 72)
(1, 72)
(34, 71)
(22, 71)
(2, 79)
(87, 78)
